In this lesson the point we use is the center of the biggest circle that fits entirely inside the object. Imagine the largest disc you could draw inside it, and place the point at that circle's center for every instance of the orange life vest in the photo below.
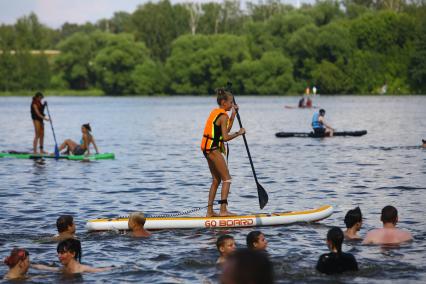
(212, 136)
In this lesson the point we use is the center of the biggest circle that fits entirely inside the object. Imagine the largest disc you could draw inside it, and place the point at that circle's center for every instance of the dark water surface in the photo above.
(159, 168)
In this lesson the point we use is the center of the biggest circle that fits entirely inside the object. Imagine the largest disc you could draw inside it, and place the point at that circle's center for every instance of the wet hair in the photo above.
(138, 218)
(389, 214)
(87, 126)
(352, 217)
(335, 236)
(253, 237)
(322, 111)
(250, 266)
(222, 95)
(16, 255)
(63, 222)
(222, 239)
(70, 245)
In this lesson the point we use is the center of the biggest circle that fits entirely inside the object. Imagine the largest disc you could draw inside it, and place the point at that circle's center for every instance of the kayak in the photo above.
(311, 134)
(270, 219)
(24, 155)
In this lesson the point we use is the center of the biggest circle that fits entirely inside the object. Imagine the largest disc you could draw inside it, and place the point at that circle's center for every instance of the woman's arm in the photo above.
(94, 145)
(38, 113)
(225, 132)
(87, 268)
(231, 119)
(44, 267)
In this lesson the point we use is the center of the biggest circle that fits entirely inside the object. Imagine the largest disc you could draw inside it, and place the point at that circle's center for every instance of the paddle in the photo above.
(53, 131)
(261, 192)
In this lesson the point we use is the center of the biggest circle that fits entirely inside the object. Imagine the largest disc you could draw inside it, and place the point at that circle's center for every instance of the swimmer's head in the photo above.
(225, 244)
(322, 112)
(256, 240)
(389, 215)
(353, 217)
(335, 238)
(64, 222)
(72, 246)
(18, 255)
(136, 219)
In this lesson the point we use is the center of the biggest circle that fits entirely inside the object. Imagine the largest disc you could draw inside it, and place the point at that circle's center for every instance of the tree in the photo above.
(149, 78)
(330, 79)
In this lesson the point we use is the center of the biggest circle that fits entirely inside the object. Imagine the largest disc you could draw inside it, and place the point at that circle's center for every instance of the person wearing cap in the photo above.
(38, 117)
(320, 127)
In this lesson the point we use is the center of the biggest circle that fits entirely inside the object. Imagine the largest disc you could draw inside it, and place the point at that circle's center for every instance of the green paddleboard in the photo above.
(20, 155)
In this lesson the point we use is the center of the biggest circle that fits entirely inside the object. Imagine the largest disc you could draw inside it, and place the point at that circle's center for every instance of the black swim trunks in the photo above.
(319, 132)
(331, 263)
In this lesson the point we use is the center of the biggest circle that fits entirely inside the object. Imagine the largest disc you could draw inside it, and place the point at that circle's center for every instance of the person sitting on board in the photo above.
(66, 228)
(246, 266)
(69, 254)
(353, 222)
(18, 262)
(336, 261)
(302, 102)
(38, 117)
(256, 240)
(226, 246)
(319, 125)
(216, 132)
(84, 146)
(389, 234)
(136, 225)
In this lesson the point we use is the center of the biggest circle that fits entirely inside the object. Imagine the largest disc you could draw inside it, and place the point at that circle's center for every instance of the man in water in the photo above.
(389, 234)
(225, 245)
(353, 222)
(320, 127)
(336, 261)
(66, 228)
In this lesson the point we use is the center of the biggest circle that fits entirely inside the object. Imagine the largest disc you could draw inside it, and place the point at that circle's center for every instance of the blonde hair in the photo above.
(137, 218)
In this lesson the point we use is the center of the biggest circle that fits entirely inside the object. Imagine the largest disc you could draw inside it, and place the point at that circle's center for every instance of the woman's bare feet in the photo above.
(226, 213)
(212, 214)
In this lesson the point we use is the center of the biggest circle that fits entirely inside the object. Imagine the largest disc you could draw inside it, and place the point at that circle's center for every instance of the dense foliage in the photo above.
(354, 46)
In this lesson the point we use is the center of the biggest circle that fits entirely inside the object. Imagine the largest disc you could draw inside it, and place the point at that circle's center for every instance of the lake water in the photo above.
(159, 168)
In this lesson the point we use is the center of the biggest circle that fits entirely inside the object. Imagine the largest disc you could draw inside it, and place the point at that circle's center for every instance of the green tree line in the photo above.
(341, 47)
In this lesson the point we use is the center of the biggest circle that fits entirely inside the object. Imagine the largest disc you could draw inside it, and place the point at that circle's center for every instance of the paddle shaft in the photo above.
(51, 125)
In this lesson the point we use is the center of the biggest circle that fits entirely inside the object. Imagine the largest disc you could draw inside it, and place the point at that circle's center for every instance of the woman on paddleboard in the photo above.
(216, 132)
(86, 140)
(38, 117)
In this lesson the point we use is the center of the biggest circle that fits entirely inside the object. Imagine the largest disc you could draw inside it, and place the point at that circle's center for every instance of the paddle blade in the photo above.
(56, 152)
(263, 196)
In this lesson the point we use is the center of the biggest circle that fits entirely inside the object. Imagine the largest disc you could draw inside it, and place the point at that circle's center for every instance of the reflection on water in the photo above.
(159, 168)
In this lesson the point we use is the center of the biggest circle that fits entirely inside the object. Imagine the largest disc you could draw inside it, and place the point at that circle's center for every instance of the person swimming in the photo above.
(216, 132)
(336, 261)
(84, 146)
(225, 244)
(353, 222)
(389, 234)
(136, 224)
(319, 126)
(69, 254)
(66, 228)
(18, 262)
(256, 240)
(38, 118)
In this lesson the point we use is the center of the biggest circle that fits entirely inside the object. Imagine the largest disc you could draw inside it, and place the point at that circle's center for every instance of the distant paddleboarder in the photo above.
(84, 146)
(319, 125)
(38, 117)
(216, 132)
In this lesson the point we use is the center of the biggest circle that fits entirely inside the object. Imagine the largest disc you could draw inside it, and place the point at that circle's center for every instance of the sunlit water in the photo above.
(159, 168)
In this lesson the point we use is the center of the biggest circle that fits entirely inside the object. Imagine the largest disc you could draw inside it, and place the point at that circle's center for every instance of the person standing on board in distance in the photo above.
(314, 90)
(226, 246)
(66, 228)
(353, 222)
(336, 261)
(136, 225)
(319, 125)
(86, 140)
(256, 240)
(38, 117)
(389, 234)
(18, 262)
(216, 132)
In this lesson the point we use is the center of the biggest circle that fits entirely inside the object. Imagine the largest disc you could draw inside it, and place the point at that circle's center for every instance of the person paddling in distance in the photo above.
(136, 224)
(18, 262)
(38, 117)
(389, 234)
(84, 146)
(320, 127)
(69, 254)
(216, 132)
(353, 222)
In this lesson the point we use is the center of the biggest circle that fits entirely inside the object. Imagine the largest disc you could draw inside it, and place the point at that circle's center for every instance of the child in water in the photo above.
(256, 241)
(226, 246)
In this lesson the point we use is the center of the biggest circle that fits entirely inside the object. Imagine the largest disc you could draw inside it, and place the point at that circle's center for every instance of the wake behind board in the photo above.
(312, 135)
(256, 220)
(24, 155)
